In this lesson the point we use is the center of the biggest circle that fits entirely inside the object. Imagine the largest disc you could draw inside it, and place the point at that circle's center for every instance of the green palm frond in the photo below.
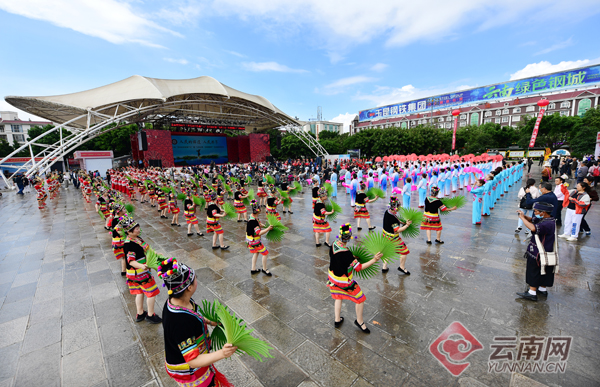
(375, 192)
(130, 209)
(229, 210)
(286, 201)
(181, 196)
(363, 256)
(234, 179)
(238, 335)
(217, 338)
(101, 214)
(416, 217)
(199, 201)
(458, 201)
(329, 189)
(295, 188)
(276, 234)
(248, 180)
(332, 205)
(166, 189)
(250, 197)
(270, 179)
(375, 242)
(209, 310)
(153, 259)
(221, 177)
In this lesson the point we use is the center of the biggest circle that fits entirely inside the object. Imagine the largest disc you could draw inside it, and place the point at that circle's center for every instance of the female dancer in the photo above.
(340, 282)
(360, 211)
(406, 192)
(272, 202)
(238, 203)
(174, 209)
(392, 230)
(431, 217)
(189, 211)
(422, 188)
(253, 234)
(139, 278)
(143, 192)
(262, 195)
(162, 204)
(478, 192)
(315, 192)
(41, 193)
(118, 241)
(320, 224)
(213, 213)
(285, 188)
(188, 359)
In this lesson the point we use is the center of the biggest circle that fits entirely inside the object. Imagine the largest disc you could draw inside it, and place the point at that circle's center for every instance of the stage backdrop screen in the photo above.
(196, 150)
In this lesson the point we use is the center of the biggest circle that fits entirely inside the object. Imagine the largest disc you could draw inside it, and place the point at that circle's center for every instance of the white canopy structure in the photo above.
(138, 99)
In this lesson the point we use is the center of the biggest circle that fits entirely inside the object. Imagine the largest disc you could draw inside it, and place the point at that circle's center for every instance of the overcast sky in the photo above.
(343, 55)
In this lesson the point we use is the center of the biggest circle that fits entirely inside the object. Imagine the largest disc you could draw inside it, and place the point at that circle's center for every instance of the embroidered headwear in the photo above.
(322, 192)
(434, 190)
(176, 276)
(345, 232)
(255, 206)
(394, 203)
(128, 223)
(362, 185)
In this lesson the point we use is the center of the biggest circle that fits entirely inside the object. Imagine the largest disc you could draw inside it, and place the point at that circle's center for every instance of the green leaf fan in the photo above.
(458, 201)
(101, 214)
(375, 192)
(229, 210)
(416, 217)
(166, 189)
(238, 335)
(329, 189)
(332, 205)
(270, 179)
(363, 256)
(248, 180)
(276, 234)
(130, 209)
(181, 196)
(221, 177)
(295, 188)
(199, 201)
(250, 197)
(375, 242)
(153, 259)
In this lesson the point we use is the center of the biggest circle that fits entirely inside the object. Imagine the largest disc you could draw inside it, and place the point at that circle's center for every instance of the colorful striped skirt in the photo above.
(273, 212)
(361, 212)
(431, 222)
(214, 227)
(352, 292)
(174, 209)
(402, 248)
(240, 208)
(190, 218)
(320, 225)
(146, 286)
(258, 248)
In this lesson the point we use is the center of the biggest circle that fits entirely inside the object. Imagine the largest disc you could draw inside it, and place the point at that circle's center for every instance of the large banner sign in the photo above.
(522, 87)
(196, 150)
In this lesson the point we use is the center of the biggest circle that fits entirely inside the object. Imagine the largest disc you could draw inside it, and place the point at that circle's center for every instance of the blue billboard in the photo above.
(522, 87)
(197, 150)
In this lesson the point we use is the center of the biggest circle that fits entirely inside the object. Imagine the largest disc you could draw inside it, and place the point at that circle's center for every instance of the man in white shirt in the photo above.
(559, 181)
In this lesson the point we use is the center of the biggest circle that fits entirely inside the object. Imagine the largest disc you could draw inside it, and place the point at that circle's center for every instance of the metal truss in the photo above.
(307, 139)
(99, 120)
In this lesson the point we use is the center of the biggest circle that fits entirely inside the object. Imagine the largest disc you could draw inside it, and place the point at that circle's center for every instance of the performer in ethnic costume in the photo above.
(392, 229)
(174, 209)
(340, 280)
(118, 240)
(162, 203)
(360, 211)
(320, 224)
(478, 192)
(213, 213)
(238, 203)
(431, 217)
(253, 234)
(262, 195)
(152, 194)
(189, 211)
(272, 203)
(41, 193)
(540, 272)
(220, 195)
(102, 203)
(285, 188)
(86, 189)
(315, 192)
(139, 278)
(143, 192)
(188, 359)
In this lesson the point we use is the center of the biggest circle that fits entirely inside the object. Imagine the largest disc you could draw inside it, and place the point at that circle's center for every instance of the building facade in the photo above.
(506, 109)
(315, 127)
(13, 129)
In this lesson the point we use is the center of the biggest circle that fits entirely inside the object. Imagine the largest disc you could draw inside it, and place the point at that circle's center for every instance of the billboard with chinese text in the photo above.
(196, 150)
(522, 87)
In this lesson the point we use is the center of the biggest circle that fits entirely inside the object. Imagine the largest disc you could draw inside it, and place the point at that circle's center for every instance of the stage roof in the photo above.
(202, 99)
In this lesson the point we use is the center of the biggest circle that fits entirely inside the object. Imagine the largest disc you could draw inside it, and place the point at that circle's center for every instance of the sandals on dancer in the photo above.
(255, 271)
(318, 244)
(266, 272)
(327, 244)
(438, 241)
(215, 247)
(372, 228)
(428, 242)
(404, 271)
(385, 270)
(338, 323)
(365, 330)
(200, 234)
(224, 247)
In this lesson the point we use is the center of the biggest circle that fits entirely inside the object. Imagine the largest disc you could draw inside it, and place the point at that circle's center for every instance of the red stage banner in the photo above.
(454, 133)
(536, 128)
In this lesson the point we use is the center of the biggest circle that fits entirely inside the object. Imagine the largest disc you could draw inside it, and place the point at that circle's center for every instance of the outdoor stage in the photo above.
(168, 149)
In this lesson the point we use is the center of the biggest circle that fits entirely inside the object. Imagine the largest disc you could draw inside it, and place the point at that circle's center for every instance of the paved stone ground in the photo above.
(66, 315)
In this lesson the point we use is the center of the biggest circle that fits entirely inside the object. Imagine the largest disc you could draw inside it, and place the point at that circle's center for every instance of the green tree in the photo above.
(5, 148)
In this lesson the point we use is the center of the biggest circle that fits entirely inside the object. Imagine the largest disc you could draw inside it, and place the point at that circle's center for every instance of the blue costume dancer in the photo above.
(422, 188)
(406, 191)
(353, 190)
(487, 197)
(454, 179)
(478, 193)
(383, 181)
(333, 180)
(348, 178)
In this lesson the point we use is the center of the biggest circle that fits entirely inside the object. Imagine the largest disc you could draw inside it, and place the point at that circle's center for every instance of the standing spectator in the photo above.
(593, 198)
(582, 172)
(529, 164)
(560, 196)
(541, 161)
(19, 182)
(546, 172)
(554, 164)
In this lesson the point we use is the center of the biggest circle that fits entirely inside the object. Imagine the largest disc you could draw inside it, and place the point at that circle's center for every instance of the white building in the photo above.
(13, 129)
(315, 127)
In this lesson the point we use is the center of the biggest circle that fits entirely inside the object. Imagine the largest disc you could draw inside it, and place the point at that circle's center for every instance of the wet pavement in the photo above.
(66, 314)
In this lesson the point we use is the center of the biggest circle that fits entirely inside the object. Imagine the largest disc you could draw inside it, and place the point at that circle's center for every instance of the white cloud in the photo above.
(235, 54)
(557, 46)
(6, 107)
(379, 67)
(111, 20)
(342, 84)
(346, 119)
(545, 67)
(336, 25)
(270, 66)
(178, 61)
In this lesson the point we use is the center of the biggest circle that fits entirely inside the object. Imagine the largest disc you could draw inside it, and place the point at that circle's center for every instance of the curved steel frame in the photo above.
(51, 153)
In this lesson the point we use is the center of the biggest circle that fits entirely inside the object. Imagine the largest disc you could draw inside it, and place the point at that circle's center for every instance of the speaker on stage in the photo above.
(142, 141)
